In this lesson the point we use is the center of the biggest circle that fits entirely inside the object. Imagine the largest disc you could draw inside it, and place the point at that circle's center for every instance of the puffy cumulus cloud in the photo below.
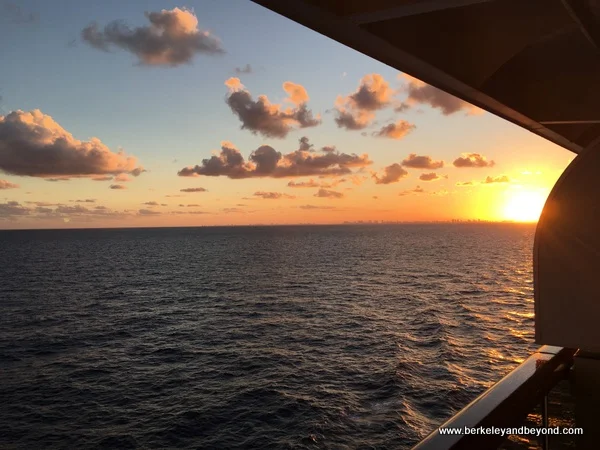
(171, 39)
(297, 93)
(7, 185)
(395, 130)
(432, 176)
(117, 186)
(475, 160)
(267, 162)
(196, 189)
(420, 93)
(415, 161)
(356, 111)
(262, 117)
(500, 179)
(33, 144)
(417, 190)
(391, 174)
(373, 93)
(326, 193)
(244, 70)
(350, 120)
(272, 195)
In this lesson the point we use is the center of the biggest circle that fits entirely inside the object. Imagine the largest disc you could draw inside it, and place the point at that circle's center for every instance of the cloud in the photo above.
(326, 193)
(102, 178)
(232, 210)
(422, 162)
(148, 212)
(117, 186)
(11, 209)
(356, 111)
(122, 178)
(401, 107)
(66, 209)
(353, 120)
(45, 210)
(304, 184)
(172, 38)
(55, 180)
(396, 130)
(33, 144)
(315, 207)
(314, 184)
(86, 200)
(14, 14)
(197, 189)
(417, 190)
(267, 162)
(420, 93)
(44, 203)
(465, 183)
(189, 212)
(270, 120)
(500, 179)
(391, 174)
(472, 160)
(273, 195)
(7, 185)
(431, 176)
(150, 203)
(244, 70)
(373, 93)
(297, 93)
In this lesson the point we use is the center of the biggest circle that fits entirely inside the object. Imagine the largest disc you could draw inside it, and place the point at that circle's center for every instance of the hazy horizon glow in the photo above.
(185, 115)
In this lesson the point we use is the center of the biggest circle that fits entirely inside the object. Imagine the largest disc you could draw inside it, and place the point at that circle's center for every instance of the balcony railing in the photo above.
(506, 404)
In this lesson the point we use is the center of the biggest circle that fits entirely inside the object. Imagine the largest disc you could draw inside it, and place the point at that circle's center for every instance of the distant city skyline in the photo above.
(204, 113)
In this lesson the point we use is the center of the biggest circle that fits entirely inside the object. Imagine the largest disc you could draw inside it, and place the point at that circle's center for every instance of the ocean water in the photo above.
(295, 337)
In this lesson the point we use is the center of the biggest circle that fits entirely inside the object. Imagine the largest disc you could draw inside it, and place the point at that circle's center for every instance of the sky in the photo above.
(158, 113)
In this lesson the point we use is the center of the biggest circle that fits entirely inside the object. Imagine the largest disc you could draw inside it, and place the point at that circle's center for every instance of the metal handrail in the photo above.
(507, 403)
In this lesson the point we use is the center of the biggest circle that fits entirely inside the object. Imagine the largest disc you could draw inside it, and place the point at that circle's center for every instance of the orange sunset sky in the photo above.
(167, 114)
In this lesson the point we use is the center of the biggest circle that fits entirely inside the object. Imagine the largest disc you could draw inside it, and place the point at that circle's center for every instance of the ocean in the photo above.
(282, 337)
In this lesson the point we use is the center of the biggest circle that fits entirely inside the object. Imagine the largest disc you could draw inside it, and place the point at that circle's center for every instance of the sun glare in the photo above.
(524, 206)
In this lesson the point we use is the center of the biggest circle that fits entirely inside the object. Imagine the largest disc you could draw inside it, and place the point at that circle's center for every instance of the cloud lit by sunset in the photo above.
(249, 128)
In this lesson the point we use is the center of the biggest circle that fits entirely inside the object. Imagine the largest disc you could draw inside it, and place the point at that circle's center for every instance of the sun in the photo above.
(524, 206)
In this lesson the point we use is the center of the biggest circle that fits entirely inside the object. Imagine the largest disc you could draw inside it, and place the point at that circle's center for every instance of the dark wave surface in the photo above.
(343, 337)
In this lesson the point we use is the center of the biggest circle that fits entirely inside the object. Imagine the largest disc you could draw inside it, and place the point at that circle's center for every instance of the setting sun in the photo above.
(524, 206)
